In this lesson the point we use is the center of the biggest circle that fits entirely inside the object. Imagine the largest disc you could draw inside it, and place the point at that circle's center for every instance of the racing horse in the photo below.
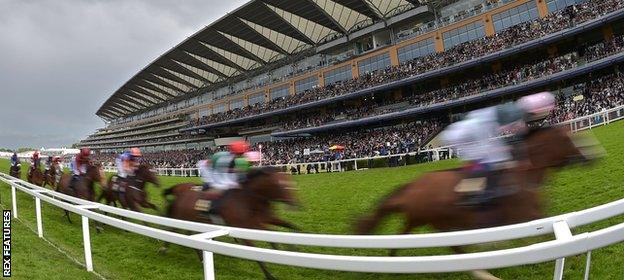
(83, 187)
(432, 199)
(35, 176)
(16, 171)
(133, 195)
(50, 176)
(251, 206)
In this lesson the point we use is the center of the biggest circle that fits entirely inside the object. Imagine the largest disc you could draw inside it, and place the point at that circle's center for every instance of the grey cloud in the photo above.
(60, 60)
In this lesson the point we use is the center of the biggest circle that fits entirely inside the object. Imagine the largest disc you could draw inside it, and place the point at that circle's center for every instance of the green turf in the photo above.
(331, 202)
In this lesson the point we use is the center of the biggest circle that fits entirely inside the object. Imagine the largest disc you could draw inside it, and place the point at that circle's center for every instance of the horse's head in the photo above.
(95, 173)
(147, 174)
(273, 185)
(557, 147)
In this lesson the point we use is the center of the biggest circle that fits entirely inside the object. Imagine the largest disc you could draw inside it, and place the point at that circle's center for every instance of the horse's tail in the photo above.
(385, 206)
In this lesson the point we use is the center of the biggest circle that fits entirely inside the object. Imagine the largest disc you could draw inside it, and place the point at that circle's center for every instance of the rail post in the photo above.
(14, 201)
(38, 211)
(208, 257)
(562, 232)
(587, 265)
(86, 239)
(208, 261)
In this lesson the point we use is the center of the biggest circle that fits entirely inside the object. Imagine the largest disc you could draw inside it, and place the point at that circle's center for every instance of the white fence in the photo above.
(578, 124)
(565, 243)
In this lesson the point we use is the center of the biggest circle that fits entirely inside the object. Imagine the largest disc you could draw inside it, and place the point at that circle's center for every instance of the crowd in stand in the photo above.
(512, 36)
(591, 97)
(597, 94)
(529, 70)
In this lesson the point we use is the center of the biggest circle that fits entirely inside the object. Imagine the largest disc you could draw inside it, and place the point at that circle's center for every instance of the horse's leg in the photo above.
(67, 215)
(409, 225)
(276, 221)
(368, 224)
(266, 272)
(480, 274)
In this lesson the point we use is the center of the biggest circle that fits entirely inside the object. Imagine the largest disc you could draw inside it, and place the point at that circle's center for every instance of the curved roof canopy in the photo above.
(254, 35)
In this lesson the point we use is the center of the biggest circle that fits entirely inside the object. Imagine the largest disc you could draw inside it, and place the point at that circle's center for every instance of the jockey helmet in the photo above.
(239, 147)
(126, 156)
(537, 105)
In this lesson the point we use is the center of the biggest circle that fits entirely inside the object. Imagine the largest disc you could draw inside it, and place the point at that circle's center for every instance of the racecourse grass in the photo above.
(330, 204)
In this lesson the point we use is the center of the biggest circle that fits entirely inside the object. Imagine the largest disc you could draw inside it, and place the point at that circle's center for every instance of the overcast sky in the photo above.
(61, 59)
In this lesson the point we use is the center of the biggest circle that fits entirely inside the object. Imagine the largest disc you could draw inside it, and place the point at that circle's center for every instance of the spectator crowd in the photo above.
(512, 36)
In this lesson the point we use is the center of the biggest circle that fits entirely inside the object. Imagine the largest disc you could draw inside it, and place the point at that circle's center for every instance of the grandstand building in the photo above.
(304, 74)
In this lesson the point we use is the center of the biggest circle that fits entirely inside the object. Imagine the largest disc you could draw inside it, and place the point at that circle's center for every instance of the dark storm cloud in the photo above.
(60, 60)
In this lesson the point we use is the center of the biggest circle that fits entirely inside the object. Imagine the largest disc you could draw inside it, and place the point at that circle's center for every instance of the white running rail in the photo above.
(565, 243)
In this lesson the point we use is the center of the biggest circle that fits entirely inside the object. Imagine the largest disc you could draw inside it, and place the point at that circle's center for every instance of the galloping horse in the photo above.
(134, 194)
(15, 171)
(247, 207)
(83, 187)
(35, 176)
(50, 176)
(432, 199)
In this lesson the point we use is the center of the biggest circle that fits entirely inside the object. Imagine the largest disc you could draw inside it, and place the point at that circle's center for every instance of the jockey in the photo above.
(48, 163)
(127, 163)
(58, 168)
(479, 144)
(79, 165)
(14, 160)
(205, 172)
(35, 160)
(228, 168)
(80, 161)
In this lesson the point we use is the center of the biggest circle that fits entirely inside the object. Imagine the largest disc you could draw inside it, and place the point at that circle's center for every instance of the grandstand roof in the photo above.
(254, 35)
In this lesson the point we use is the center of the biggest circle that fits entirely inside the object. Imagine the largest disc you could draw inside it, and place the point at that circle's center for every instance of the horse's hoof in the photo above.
(163, 250)
(99, 229)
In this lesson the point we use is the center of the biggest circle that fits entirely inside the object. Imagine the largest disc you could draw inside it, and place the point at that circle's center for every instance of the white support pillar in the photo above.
(209, 272)
(86, 239)
(587, 265)
(355, 165)
(562, 232)
(208, 257)
(38, 211)
(14, 201)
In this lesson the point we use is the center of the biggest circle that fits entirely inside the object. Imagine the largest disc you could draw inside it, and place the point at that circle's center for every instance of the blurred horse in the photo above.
(432, 199)
(16, 171)
(35, 176)
(131, 195)
(83, 187)
(50, 176)
(251, 206)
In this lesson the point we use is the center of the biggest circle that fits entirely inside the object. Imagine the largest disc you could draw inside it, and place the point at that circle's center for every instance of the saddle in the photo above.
(481, 187)
(209, 203)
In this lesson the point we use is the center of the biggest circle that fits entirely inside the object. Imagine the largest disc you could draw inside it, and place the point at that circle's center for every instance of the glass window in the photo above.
(219, 108)
(306, 84)
(279, 92)
(338, 74)
(463, 34)
(374, 63)
(236, 104)
(256, 98)
(555, 5)
(523, 13)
